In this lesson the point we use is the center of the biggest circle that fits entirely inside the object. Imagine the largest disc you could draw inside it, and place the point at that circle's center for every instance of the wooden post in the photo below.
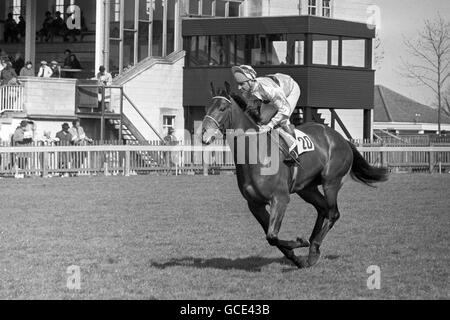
(45, 164)
(431, 153)
(205, 164)
(126, 168)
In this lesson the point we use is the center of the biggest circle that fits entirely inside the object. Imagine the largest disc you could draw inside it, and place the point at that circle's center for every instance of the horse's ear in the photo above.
(213, 90)
(228, 87)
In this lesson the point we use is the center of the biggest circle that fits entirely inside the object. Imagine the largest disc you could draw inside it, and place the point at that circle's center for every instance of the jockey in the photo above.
(278, 90)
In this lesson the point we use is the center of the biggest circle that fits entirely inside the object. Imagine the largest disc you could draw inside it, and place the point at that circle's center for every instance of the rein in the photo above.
(250, 133)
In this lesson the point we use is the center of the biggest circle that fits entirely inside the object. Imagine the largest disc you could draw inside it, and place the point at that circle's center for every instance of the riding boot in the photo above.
(291, 142)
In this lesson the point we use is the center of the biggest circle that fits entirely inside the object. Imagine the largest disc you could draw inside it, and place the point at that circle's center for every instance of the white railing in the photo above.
(11, 98)
(126, 159)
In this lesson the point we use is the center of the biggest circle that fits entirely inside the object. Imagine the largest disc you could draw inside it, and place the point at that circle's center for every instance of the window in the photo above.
(312, 7)
(326, 8)
(353, 52)
(59, 6)
(16, 9)
(168, 122)
(320, 50)
(116, 10)
(194, 7)
(227, 8)
(233, 9)
(223, 50)
(207, 9)
(295, 54)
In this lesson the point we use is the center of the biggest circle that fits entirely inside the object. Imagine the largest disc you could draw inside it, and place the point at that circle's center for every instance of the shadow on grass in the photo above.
(253, 264)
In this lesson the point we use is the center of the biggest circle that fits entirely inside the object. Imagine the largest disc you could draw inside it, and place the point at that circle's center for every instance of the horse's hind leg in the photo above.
(286, 247)
(332, 215)
(313, 196)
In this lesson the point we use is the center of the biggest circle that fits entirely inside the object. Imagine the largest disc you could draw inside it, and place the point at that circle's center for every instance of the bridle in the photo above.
(214, 120)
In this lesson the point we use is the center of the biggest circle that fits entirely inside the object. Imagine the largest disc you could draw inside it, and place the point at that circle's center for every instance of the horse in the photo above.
(333, 159)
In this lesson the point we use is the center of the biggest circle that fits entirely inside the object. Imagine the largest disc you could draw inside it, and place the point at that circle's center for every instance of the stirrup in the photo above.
(291, 159)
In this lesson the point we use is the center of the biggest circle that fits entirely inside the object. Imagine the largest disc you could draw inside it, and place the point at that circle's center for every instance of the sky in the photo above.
(404, 19)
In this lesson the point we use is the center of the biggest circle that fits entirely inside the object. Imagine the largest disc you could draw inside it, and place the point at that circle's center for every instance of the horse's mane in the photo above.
(239, 100)
(252, 113)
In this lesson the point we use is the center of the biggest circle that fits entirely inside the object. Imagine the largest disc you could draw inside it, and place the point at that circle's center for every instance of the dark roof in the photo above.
(391, 106)
(275, 25)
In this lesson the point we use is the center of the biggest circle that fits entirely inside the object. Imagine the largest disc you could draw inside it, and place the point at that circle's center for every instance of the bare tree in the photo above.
(429, 61)
(378, 53)
(446, 105)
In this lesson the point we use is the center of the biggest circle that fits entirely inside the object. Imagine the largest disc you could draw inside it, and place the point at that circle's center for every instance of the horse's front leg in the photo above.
(286, 247)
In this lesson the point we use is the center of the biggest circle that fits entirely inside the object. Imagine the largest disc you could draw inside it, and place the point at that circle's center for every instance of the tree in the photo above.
(378, 53)
(446, 106)
(429, 65)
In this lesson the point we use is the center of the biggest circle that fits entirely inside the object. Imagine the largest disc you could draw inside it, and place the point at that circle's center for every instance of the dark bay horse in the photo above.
(333, 159)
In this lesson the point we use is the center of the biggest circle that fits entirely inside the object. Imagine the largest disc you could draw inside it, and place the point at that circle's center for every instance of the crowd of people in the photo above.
(13, 66)
(14, 31)
(55, 25)
(25, 134)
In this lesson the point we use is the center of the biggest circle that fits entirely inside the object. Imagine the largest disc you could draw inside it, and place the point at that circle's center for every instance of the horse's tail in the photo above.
(363, 172)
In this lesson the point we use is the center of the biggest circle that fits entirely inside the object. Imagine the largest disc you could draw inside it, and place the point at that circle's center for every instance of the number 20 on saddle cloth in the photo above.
(304, 143)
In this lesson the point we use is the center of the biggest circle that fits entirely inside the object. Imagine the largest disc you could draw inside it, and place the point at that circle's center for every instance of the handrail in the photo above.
(11, 98)
(143, 117)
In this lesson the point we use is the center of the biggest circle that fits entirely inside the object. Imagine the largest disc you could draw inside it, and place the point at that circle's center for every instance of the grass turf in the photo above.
(152, 237)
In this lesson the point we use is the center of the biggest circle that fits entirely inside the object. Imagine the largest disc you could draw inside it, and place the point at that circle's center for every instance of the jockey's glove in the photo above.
(265, 128)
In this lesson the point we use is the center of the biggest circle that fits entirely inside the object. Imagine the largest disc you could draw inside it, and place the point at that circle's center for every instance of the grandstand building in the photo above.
(163, 53)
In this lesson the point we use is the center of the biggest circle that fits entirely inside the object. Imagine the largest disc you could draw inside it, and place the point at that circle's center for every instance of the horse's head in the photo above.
(218, 115)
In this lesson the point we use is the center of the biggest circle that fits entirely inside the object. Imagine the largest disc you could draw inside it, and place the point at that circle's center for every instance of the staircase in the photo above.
(144, 65)
(318, 117)
(297, 117)
(134, 120)
(132, 136)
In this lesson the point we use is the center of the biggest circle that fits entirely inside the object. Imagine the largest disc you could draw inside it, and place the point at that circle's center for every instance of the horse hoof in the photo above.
(303, 243)
(313, 259)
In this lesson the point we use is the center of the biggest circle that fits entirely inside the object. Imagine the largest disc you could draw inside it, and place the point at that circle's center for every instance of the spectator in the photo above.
(170, 158)
(59, 27)
(104, 77)
(78, 135)
(55, 69)
(64, 137)
(2, 65)
(45, 71)
(46, 31)
(73, 62)
(11, 32)
(28, 70)
(47, 139)
(67, 54)
(23, 135)
(8, 75)
(21, 27)
(18, 63)
(3, 53)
